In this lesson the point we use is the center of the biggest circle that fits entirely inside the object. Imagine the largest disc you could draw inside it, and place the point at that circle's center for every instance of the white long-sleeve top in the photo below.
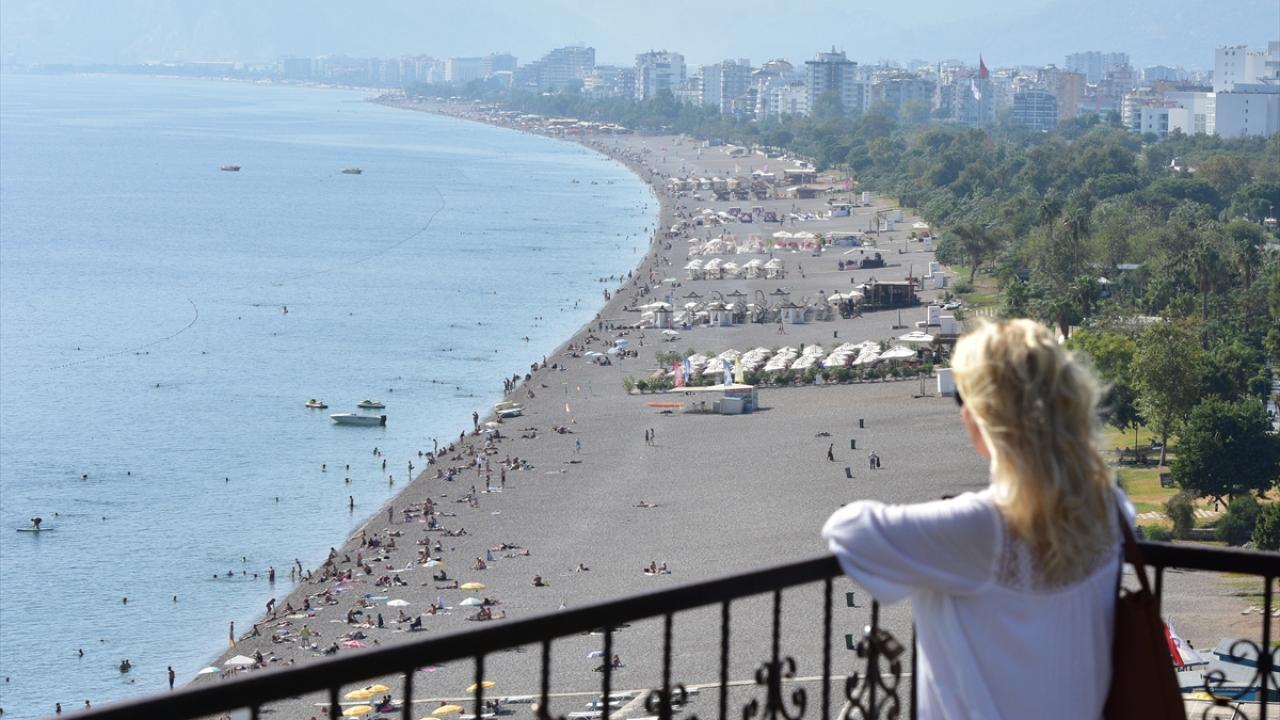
(993, 643)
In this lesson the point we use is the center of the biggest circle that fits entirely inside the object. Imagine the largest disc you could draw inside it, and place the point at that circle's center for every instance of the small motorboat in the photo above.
(508, 409)
(351, 171)
(230, 168)
(354, 419)
(370, 405)
(315, 404)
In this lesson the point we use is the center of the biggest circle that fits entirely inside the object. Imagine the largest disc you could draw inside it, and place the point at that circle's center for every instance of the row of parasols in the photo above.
(715, 269)
(789, 358)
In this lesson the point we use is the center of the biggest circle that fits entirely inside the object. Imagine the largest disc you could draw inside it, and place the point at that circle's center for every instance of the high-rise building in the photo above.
(899, 91)
(1094, 64)
(832, 72)
(460, 71)
(657, 71)
(771, 75)
(1036, 109)
(558, 68)
(610, 81)
(725, 82)
(1240, 65)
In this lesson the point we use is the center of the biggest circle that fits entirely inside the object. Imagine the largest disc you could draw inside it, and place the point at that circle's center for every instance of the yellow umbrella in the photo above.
(378, 688)
(447, 710)
(472, 586)
(486, 684)
(357, 711)
(361, 694)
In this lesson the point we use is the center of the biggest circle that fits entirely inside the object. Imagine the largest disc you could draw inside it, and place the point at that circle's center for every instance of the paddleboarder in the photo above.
(35, 522)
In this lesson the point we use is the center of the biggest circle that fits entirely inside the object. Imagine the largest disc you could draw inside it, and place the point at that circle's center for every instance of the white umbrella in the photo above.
(916, 337)
(783, 234)
(241, 661)
(209, 671)
(397, 603)
(471, 602)
(671, 333)
(898, 353)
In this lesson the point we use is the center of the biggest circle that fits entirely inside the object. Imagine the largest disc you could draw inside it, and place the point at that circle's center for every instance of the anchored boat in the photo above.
(354, 419)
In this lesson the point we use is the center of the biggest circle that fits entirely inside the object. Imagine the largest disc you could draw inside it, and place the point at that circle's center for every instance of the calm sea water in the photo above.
(144, 342)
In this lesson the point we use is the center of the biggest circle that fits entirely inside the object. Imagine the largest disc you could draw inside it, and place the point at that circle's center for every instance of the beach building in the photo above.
(462, 70)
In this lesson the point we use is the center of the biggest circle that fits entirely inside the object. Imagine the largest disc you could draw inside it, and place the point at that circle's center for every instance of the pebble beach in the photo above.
(592, 483)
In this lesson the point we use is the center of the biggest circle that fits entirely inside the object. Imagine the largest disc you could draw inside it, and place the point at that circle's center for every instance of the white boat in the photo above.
(354, 419)
(508, 409)
(370, 405)
(315, 404)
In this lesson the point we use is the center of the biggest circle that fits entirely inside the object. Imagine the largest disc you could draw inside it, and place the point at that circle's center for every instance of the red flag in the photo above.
(1174, 646)
(982, 68)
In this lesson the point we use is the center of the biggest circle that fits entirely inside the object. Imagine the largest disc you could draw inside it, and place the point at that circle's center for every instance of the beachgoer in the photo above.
(1028, 563)
(172, 677)
(831, 452)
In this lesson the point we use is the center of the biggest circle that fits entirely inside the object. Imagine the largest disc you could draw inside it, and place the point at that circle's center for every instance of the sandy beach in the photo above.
(720, 494)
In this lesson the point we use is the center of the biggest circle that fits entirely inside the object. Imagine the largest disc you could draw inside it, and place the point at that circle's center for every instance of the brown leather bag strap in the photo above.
(1132, 553)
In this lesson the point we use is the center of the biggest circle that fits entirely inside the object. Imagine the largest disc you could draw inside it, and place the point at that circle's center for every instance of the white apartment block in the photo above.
(1238, 65)
(1251, 110)
(657, 71)
(833, 72)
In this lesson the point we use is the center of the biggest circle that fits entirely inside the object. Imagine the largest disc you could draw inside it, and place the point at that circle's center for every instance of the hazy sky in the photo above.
(1006, 32)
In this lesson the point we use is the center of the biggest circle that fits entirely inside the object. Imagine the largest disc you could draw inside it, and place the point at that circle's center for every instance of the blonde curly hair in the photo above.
(1036, 405)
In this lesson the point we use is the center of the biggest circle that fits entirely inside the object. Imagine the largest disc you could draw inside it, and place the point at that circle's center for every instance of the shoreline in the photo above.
(588, 493)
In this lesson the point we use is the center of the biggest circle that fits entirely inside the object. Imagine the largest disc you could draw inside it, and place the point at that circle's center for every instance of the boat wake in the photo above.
(377, 253)
(195, 316)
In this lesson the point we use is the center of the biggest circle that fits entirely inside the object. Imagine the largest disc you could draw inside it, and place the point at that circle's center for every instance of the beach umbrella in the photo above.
(486, 684)
(209, 671)
(671, 333)
(361, 694)
(432, 563)
(595, 654)
(471, 602)
(378, 688)
(240, 661)
(472, 586)
(446, 710)
(357, 711)
(353, 644)
(398, 603)
(916, 337)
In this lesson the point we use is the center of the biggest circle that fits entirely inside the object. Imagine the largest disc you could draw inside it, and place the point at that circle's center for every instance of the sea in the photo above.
(163, 322)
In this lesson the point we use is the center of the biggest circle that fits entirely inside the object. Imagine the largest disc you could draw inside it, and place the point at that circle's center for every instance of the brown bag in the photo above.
(1143, 681)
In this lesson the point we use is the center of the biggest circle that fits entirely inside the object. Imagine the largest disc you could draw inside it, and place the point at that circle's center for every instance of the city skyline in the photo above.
(1038, 32)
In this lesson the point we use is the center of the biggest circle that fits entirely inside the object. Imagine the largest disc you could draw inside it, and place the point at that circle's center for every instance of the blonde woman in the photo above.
(1013, 587)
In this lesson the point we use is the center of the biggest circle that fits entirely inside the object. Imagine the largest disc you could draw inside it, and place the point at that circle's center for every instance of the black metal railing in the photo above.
(872, 689)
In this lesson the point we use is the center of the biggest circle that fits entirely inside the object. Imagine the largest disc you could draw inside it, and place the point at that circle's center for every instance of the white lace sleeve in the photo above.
(948, 546)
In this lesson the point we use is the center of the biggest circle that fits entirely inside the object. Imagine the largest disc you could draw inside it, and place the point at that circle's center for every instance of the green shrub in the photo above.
(1181, 510)
(1237, 524)
(1158, 533)
(629, 383)
(642, 385)
(1266, 533)
(963, 286)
